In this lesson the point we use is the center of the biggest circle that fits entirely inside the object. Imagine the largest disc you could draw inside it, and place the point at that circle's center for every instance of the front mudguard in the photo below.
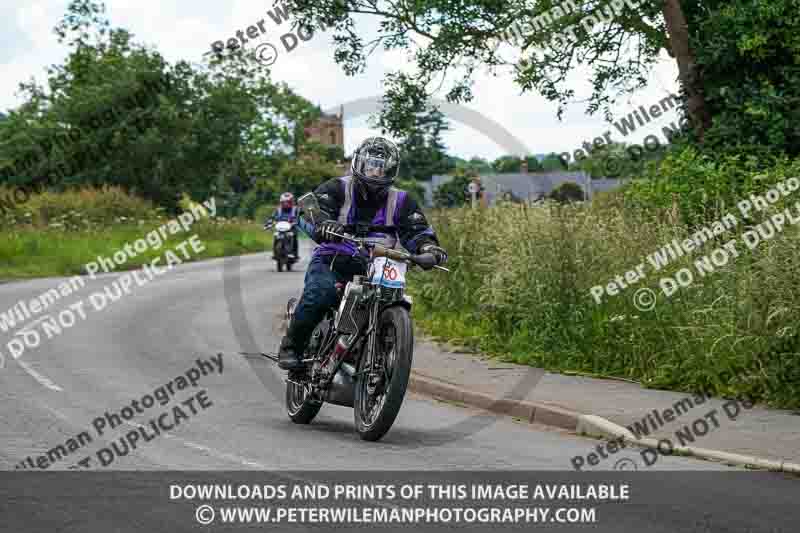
(405, 303)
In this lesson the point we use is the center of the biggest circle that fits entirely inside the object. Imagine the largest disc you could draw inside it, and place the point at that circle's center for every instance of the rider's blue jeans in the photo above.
(319, 295)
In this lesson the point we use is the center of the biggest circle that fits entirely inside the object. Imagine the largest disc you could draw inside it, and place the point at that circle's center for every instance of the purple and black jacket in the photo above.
(339, 200)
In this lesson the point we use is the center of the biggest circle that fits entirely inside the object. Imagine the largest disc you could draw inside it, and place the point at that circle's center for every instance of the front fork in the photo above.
(374, 366)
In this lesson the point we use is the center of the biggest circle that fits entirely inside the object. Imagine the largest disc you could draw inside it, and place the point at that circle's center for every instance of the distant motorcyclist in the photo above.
(364, 196)
(286, 212)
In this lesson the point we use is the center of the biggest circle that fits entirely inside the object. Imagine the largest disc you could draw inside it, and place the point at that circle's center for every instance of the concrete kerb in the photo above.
(531, 412)
(582, 424)
(596, 426)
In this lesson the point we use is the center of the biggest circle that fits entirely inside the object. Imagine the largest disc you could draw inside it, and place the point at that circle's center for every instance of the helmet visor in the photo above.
(374, 167)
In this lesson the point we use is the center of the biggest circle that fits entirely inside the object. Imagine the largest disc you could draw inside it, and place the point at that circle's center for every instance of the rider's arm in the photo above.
(413, 228)
(330, 196)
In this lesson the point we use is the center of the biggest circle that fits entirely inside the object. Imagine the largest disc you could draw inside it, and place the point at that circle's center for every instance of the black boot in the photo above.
(288, 358)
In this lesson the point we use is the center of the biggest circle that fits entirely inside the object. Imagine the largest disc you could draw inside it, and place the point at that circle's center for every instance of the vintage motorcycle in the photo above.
(282, 244)
(360, 354)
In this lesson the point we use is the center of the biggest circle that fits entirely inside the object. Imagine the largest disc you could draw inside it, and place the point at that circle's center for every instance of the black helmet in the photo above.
(375, 165)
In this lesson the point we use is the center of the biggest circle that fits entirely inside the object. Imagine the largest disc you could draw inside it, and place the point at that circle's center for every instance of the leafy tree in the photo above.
(552, 163)
(619, 39)
(736, 60)
(747, 53)
(475, 166)
(506, 164)
(334, 153)
(454, 193)
(510, 164)
(458, 162)
(616, 160)
(297, 176)
(424, 151)
(329, 153)
(567, 192)
(117, 113)
(533, 164)
(414, 189)
(420, 130)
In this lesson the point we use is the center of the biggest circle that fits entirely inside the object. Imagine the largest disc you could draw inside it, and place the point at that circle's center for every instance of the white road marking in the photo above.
(211, 451)
(43, 380)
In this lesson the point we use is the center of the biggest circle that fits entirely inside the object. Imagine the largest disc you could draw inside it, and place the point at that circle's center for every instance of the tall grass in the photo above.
(75, 209)
(520, 287)
(57, 234)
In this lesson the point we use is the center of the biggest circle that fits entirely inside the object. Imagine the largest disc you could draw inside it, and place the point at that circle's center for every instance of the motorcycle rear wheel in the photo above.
(300, 408)
(375, 412)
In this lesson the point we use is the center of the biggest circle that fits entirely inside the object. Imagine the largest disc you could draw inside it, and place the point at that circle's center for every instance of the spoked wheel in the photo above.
(379, 395)
(299, 405)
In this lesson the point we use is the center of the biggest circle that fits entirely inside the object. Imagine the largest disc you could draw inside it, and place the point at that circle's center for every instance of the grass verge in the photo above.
(520, 288)
(31, 252)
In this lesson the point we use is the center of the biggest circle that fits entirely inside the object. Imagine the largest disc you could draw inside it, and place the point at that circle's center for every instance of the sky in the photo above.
(185, 29)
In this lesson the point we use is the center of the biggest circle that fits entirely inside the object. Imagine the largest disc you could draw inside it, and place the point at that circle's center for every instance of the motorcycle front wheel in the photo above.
(379, 395)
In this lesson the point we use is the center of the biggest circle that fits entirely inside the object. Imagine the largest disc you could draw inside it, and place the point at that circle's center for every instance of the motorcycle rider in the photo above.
(364, 196)
(286, 212)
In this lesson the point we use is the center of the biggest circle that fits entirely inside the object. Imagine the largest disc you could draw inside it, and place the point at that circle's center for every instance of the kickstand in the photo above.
(273, 358)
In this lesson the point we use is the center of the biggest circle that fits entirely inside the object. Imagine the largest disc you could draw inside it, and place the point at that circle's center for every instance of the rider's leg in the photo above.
(319, 295)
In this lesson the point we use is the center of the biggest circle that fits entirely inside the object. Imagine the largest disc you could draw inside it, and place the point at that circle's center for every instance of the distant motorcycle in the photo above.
(283, 244)
(360, 355)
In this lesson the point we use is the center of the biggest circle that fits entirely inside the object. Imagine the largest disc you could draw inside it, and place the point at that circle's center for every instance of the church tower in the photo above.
(328, 130)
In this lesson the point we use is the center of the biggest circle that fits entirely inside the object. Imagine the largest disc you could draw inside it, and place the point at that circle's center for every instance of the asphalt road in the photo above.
(147, 338)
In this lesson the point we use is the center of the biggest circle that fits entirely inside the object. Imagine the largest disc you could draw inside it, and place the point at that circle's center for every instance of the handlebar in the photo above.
(426, 261)
(363, 229)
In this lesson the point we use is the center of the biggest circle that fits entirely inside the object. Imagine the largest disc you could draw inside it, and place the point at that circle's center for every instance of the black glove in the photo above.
(435, 251)
(325, 230)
